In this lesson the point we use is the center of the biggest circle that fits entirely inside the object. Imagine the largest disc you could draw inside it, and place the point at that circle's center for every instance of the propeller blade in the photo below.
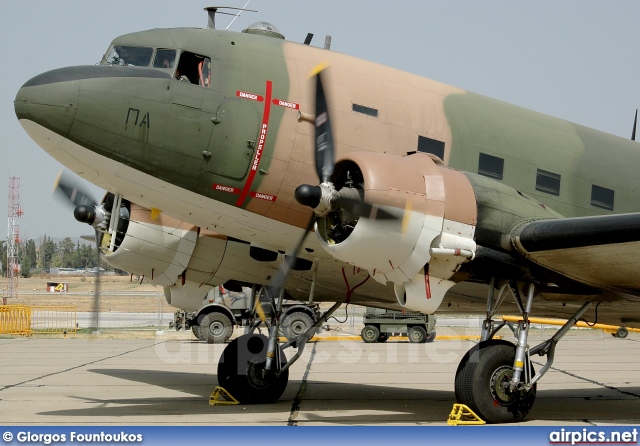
(72, 191)
(635, 121)
(96, 294)
(280, 278)
(324, 138)
(359, 208)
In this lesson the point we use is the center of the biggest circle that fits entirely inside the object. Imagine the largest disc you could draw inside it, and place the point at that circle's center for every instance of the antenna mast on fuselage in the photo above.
(213, 10)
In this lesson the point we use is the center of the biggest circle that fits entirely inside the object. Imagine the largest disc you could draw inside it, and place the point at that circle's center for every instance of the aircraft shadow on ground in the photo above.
(330, 402)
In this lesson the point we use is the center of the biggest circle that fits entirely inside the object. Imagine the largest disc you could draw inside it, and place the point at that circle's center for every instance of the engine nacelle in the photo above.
(184, 259)
(425, 246)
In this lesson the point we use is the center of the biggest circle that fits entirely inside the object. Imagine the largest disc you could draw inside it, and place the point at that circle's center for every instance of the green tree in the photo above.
(47, 252)
(3, 257)
(27, 259)
(66, 249)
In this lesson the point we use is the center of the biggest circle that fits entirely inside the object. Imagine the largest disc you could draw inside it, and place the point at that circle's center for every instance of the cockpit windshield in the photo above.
(129, 55)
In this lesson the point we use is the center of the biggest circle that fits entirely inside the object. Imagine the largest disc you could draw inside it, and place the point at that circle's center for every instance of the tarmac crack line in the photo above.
(297, 401)
(591, 381)
(78, 366)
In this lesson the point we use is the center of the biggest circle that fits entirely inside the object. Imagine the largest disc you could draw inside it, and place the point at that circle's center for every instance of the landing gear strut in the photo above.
(495, 378)
(254, 369)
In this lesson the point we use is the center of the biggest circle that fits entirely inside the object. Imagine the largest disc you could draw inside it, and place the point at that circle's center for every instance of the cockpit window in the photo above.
(194, 69)
(129, 55)
(164, 59)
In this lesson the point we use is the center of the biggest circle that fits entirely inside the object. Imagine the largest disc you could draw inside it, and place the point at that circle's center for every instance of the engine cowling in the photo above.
(184, 259)
(421, 250)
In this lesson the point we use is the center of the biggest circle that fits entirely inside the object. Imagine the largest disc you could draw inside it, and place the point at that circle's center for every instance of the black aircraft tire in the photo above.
(370, 334)
(216, 328)
(296, 323)
(417, 334)
(486, 369)
(462, 396)
(240, 371)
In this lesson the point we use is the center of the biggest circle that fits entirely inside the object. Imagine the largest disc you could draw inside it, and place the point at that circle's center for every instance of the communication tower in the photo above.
(13, 239)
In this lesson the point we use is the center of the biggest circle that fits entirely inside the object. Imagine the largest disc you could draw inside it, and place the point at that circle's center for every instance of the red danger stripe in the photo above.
(287, 104)
(261, 141)
(247, 95)
(262, 196)
(223, 188)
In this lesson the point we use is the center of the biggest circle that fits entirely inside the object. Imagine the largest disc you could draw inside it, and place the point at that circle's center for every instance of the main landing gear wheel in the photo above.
(241, 367)
(370, 333)
(482, 383)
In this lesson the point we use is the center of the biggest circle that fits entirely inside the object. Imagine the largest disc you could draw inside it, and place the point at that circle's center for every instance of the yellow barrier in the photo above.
(613, 329)
(24, 321)
(15, 320)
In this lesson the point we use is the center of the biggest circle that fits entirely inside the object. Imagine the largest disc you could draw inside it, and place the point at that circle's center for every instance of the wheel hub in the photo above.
(500, 390)
(256, 376)
(216, 328)
(298, 328)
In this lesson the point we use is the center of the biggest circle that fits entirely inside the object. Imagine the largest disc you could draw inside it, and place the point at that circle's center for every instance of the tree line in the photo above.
(64, 254)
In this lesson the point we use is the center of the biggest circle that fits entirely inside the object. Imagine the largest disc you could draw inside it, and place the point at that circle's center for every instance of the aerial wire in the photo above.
(237, 15)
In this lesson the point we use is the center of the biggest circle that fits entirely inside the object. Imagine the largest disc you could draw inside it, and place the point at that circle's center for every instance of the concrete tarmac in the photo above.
(168, 381)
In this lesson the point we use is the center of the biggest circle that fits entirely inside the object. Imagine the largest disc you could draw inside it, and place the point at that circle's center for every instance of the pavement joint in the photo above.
(76, 367)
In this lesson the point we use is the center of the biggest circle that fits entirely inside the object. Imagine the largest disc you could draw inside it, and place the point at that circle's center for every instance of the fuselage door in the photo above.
(234, 138)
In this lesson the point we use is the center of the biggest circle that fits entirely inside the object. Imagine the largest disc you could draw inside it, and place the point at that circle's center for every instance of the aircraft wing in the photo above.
(600, 251)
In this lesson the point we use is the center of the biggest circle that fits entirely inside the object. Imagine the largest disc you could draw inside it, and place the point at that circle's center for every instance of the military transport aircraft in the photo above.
(221, 151)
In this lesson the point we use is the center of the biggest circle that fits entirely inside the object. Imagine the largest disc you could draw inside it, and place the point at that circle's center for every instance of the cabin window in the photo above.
(429, 145)
(129, 55)
(194, 69)
(548, 182)
(165, 59)
(491, 166)
(602, 198)
(365, 110)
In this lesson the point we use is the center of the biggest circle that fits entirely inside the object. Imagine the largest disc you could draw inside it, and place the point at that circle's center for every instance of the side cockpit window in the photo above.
(165, 59)
(129, 55)
(194, 69)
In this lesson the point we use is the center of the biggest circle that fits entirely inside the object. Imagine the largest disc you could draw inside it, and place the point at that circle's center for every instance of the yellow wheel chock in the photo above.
(461, 414)
(220, 397)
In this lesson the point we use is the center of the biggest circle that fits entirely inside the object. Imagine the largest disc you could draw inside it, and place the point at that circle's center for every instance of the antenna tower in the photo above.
(13, 239)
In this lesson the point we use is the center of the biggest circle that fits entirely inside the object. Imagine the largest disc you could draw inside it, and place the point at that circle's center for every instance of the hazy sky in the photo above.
(574, 59)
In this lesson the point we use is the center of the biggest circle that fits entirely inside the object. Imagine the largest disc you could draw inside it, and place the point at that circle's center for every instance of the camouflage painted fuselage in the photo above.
(228, 157)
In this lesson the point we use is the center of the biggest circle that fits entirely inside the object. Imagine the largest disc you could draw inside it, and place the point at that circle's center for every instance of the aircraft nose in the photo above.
(49, 99)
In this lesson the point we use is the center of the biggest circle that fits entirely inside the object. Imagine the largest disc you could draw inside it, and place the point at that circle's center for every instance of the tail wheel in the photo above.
(482, 382)
(370, 333)
(216, 328)
(241, 371)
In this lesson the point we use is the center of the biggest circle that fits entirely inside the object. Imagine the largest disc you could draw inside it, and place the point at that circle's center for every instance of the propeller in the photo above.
(86, 210)
(325, 198)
